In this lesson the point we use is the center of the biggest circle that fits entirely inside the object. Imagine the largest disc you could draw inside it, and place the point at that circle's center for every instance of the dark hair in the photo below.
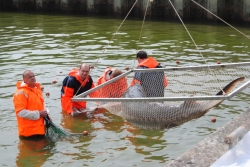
(142, 55)
(115, 73)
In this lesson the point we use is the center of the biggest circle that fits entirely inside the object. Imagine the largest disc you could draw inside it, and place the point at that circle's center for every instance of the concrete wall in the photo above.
(206, 152)
(229, 10)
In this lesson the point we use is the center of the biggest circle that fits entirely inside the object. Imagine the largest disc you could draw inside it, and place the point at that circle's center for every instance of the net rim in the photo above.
(82, 97)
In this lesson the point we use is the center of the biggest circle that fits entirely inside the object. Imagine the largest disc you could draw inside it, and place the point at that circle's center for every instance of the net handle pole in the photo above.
(102, 85)
(156, 99)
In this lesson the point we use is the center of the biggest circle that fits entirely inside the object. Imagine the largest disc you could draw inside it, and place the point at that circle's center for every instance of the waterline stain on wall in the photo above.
(232, 11)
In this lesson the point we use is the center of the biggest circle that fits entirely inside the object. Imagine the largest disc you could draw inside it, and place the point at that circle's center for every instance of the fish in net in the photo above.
(157, 115)
(191, 92)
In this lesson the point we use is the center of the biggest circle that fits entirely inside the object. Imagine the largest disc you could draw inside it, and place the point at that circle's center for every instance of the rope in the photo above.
(194, 43)
(110, 41)
(116, 32)
(141, 29)
(221, 19)
(182, 24)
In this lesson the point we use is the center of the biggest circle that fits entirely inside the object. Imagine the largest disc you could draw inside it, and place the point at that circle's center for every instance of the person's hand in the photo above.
(75, 112)
(50, 118)
(89, 114)
(47, 109)
(43, 113)
(91, 109)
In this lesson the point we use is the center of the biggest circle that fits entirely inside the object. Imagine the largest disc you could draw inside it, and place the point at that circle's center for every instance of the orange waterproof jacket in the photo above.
(29, 99)
(73, 85)
(151, 82)
(102, 78)
(112, 90)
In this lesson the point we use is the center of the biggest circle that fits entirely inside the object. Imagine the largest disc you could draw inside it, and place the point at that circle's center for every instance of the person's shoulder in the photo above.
(142, 67)
(21, 92)
(159, 66)
(69, 80)
(100, 80)
(38, 85)
(21, 86)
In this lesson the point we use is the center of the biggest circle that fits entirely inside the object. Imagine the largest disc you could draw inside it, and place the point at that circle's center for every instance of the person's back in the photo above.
(152, 82)
(115, 89)
(120, 85)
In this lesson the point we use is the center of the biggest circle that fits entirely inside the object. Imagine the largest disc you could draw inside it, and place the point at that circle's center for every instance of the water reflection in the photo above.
(147, 142)
(75, 124)
(34, 152)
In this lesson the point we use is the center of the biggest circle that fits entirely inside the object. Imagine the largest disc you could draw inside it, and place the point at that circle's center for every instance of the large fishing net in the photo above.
(190, 93)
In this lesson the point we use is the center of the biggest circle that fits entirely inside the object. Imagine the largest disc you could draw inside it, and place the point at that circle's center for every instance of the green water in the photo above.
(52, 45)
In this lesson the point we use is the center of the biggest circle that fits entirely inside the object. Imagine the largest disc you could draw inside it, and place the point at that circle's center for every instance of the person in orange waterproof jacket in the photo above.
(153, 83)
(29, 106)
(114, 89)
(77, 82)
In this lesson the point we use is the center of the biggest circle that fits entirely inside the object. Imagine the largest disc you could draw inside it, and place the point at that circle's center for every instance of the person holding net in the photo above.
(114, 89)
(29, 107)
(77, 82)
(153, 82)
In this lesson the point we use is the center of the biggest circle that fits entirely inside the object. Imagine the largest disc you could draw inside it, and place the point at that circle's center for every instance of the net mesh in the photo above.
(190, 93)
(55, 133)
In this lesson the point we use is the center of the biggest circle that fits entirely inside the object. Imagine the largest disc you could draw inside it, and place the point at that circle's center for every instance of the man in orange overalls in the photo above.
(153, 83)
(77, 82)
(29, 107)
